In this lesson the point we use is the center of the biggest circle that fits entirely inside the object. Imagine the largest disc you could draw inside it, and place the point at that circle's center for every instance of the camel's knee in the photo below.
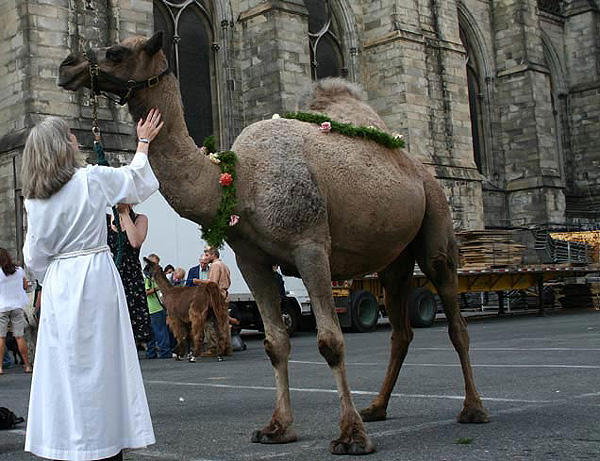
(458, 332)
(277, 349)
(402, 336)
(331, 347)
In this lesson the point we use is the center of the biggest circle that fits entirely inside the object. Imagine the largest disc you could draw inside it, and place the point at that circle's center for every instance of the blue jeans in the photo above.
(160, 337)
(7, 361)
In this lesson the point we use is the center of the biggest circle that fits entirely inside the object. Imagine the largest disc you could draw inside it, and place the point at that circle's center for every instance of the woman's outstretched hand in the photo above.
(149, 127)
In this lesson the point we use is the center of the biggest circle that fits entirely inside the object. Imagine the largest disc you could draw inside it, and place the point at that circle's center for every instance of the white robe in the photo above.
(87, 396)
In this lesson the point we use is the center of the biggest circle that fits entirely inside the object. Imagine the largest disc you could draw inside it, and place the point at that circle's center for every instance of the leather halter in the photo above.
(128, 86)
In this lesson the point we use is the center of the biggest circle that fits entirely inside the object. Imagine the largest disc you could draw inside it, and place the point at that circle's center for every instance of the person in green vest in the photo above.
(159, 346)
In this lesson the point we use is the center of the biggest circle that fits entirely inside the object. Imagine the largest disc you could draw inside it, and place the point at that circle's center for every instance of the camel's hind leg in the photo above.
(261, 280)
(312, 262)
(396, 282)
(437, 254)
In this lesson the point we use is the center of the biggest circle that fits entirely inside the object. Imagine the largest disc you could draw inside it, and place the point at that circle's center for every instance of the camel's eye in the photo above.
(115, 53)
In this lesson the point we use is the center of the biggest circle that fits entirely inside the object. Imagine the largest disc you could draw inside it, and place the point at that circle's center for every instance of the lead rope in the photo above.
(101, 159)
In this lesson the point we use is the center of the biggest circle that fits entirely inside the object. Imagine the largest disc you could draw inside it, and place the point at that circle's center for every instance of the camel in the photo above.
(322, 206)
(189, 308)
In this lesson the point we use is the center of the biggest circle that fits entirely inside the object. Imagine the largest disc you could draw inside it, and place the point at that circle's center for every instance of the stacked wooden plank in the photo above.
(482, 249)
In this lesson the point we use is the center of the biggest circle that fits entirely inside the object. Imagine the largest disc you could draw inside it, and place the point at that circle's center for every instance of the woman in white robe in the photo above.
(87, 397)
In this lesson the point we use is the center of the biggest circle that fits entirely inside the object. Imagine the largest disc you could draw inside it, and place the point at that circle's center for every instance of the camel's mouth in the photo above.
(73, 73)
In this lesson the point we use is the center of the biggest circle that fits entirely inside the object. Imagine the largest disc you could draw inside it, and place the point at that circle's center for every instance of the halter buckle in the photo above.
(153, 81)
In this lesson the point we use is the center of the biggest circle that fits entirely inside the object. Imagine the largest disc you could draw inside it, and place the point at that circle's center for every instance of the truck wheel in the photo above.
(290, 314)
(364, 310)
(421, 308)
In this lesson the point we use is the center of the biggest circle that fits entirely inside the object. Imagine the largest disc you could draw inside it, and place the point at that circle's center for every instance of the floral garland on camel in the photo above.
(216, 233)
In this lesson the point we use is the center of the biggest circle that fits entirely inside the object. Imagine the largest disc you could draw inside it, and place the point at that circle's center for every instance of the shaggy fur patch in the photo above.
(324, 92)
(291, 184)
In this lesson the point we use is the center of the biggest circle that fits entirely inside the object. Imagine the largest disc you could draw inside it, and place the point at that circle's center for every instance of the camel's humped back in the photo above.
(342, 101)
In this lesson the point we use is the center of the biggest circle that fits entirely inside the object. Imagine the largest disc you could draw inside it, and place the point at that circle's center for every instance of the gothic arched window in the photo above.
(187, 43)
(474, 86)
(326, 55)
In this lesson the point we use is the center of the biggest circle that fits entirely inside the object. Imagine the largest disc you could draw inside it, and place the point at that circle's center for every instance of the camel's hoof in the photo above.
(473, 415)
(262, 436)
(354, 447)
(373, 414)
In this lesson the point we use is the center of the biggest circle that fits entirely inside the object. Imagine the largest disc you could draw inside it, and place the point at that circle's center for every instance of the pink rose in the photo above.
(325, 127)
(233, 220)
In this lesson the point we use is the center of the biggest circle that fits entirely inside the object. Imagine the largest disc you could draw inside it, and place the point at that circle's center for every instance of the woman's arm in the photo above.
(135, 182)
(136, 232)
(36, 255)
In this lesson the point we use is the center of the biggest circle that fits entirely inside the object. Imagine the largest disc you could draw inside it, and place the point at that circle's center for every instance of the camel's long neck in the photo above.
(188, 180)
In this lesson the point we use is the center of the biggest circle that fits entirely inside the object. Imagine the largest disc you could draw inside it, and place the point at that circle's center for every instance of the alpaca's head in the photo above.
(151, 268)
(135, 59)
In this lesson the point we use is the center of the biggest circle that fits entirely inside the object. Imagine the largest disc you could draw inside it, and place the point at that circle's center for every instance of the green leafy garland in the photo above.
(210, 142)
(367, 132)
(216, 233)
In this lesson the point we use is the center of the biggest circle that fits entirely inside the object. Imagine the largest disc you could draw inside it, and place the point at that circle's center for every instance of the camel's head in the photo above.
(134, 60)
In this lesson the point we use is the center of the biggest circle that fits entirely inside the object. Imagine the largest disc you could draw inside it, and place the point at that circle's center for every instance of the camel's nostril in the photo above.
(69, 60)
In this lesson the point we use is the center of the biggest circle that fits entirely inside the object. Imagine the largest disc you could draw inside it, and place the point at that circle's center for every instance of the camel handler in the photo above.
(218, 273)
(87, 399)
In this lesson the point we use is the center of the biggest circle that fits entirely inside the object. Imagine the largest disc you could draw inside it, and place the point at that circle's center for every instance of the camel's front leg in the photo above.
(313, 264)
(261, 280)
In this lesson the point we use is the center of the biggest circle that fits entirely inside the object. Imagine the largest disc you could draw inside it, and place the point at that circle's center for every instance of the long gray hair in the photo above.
(49, 159)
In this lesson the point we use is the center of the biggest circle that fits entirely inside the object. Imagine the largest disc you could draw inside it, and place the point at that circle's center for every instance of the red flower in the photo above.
(226, 179)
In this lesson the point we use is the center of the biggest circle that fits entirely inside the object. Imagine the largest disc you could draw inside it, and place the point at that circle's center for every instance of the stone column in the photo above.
(582, 49)
(415, 78)
(274, 56)
(533, 182)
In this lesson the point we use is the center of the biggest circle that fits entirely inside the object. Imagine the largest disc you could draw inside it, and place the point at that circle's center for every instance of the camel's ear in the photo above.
(154, 43)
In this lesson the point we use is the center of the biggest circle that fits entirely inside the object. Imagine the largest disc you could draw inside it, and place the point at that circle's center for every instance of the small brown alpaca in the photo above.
(189, 308)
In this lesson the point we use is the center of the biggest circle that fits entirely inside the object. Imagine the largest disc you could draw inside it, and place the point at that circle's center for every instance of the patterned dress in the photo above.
(133, 282)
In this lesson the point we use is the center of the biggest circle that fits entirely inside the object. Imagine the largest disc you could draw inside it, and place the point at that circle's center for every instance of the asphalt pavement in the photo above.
(539, 379)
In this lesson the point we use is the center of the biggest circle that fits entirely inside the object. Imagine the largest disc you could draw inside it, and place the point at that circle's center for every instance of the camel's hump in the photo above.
(323, 93)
